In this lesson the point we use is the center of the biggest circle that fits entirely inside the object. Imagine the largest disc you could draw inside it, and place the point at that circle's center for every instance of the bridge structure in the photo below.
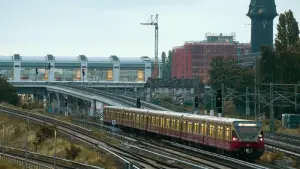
(52, 68)
(75, 97)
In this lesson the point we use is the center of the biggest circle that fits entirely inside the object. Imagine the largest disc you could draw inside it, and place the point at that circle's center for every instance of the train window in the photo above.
(177, 125)
(153, 121)
(190, 127)
(162, 122)
(126, 116)
(184, 128)
(167, 123)
(212, 131)
(157, 121)
(138, 118)
(196, 128)
(173, 124)
(203, 126)
(222, 132)
(227, 134)
(133, 116)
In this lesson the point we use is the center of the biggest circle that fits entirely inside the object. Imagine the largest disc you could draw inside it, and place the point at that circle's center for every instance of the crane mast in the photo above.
(153, 21)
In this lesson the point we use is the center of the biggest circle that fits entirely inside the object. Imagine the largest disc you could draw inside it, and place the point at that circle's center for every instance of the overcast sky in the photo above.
(106, 27)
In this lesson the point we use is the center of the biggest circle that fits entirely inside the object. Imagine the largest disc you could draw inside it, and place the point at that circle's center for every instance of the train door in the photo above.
(122, 117)
(196, 135)
(146, 121)
(162, 125)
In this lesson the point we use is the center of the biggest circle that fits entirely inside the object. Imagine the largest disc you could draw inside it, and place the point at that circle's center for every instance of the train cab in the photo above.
(247, 139)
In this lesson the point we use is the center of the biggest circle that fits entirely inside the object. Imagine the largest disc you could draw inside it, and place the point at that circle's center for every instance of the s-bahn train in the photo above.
(235, 137)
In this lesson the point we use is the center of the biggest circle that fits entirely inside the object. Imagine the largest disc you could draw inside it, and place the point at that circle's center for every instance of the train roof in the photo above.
(187, 116)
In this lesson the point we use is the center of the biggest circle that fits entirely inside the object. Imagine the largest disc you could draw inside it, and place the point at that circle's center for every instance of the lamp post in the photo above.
(27, 128)
(3, 141)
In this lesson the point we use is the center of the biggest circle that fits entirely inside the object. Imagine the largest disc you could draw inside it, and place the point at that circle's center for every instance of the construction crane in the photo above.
(153, 20)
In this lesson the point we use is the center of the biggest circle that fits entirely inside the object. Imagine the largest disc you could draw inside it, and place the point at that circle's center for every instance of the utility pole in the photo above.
(271, 109)
(54, 148)
(211, 100)
(3, 141)
(247, 103)
(27, 128)
(153, 20)
(296, 86)
(223, 99)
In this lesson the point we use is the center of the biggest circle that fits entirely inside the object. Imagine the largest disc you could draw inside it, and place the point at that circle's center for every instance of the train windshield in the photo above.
(248, 131)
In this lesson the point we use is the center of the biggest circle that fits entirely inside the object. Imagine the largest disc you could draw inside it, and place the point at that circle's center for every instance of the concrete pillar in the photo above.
(92, 108)
(116, 71)
(84, 66)
(58, 102)
(147, 70)
(17, 71)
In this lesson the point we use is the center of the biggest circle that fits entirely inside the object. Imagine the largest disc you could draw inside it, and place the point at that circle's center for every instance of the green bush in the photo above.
(72, 152)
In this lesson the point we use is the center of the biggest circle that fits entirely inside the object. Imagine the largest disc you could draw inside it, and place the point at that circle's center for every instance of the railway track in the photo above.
(282, 142)
(133, 158)
(174, 150)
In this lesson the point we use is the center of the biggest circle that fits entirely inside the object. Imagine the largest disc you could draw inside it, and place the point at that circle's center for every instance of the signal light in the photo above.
(219, 99)
(138, 103)
(196, 102)
(66, 102)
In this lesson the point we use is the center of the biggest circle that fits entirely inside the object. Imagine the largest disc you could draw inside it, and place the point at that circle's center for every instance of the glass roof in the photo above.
(34, 58)
(66, 59)
(131, 60)
(98, 59)
(5, 58)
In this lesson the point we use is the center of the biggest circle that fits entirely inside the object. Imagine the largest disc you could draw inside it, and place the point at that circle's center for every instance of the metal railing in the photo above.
(21, 162)
(48, 159)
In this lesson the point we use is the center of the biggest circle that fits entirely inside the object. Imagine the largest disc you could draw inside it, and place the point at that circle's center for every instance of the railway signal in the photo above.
(196, 102)
(219, 101)
(66, 102)
(138, 103)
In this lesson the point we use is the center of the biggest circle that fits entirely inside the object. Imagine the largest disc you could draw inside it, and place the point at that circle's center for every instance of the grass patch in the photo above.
(7, 165)
(103, 136)
(15, 135)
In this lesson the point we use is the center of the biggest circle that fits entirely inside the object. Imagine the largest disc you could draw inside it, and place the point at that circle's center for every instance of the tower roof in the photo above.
(262, 8)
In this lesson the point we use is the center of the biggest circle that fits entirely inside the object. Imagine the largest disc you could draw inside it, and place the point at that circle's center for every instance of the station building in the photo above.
(112, 68)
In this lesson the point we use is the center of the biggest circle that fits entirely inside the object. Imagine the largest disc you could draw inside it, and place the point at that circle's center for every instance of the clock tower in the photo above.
(262, 14)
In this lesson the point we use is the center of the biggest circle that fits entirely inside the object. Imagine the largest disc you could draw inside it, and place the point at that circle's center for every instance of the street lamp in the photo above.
(26, 140)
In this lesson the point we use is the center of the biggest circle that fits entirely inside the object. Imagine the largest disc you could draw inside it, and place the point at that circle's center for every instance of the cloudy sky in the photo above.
(106, 27)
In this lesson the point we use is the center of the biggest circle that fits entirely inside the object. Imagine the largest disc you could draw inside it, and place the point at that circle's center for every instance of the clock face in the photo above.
(260, 11)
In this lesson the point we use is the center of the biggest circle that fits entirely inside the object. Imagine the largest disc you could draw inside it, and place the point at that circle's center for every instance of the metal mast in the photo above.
(153, 20)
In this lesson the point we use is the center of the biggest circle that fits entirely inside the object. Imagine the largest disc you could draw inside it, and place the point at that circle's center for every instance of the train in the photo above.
(239, 138)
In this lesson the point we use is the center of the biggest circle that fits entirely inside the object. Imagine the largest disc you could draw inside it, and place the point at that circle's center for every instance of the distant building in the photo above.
(262, 14)
(193, 59)
(179, 87)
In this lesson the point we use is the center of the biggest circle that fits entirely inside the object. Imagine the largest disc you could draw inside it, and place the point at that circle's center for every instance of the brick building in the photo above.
(192, 60)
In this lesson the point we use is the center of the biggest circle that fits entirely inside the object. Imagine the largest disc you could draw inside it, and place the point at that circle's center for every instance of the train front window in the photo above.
(247, 132)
